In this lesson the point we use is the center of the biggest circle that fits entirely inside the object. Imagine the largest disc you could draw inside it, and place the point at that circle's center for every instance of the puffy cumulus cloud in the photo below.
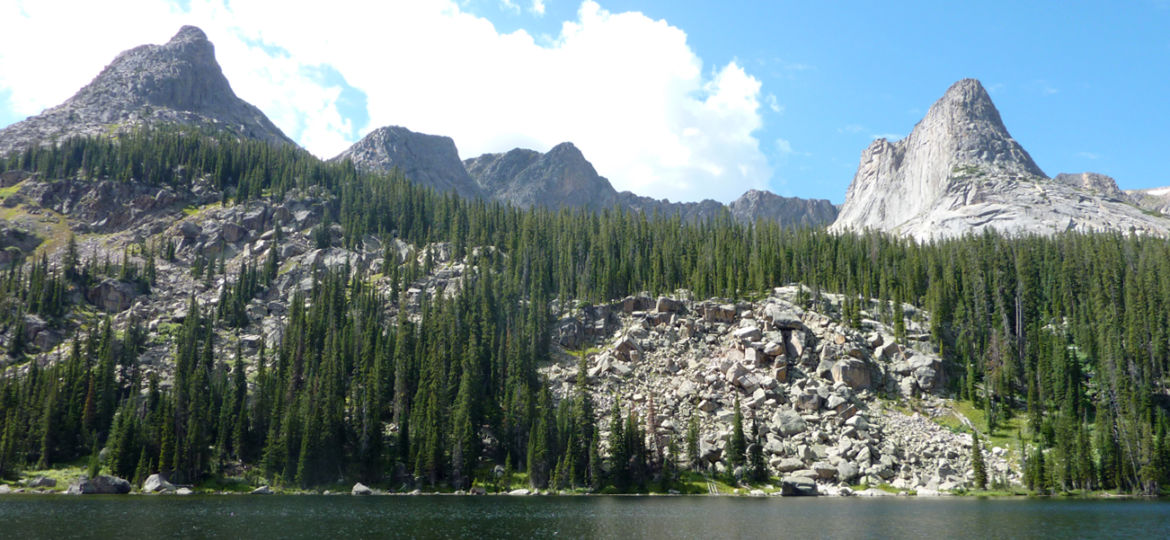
(626, 89)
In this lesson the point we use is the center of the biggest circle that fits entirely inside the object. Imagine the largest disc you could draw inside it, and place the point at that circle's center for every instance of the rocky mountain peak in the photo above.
(179, 82)
(561, 177)
(960, 171)
(430, 160)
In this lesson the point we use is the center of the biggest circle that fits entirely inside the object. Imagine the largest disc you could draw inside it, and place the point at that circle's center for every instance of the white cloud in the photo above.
(627, 89)
(774, 104)
(783, 146)
(509, 5)
(538, 7)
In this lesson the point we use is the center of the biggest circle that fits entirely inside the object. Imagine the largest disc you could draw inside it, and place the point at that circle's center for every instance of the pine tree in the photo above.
(737, 444)
(977, 464)
(758, 467)
(694, 457)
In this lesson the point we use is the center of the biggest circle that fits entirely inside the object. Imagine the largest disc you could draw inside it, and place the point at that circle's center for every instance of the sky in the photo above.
(675, 99)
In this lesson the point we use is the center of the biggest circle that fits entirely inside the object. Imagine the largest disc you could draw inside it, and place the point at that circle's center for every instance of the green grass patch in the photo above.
(953, 423)
(226, 485)
(1005, 431)
(585, 351)
(881, 487)
(10, 191)
(64, 473)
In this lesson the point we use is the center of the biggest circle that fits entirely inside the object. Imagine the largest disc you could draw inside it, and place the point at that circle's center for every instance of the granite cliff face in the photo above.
(430, 160)
(960, 171)
(179, 82)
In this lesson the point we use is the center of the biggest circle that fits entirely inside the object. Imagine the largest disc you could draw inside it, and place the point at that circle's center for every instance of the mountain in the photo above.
(960, 171)
(788, 211)
(430, 160)
(560, 178)
(178, 82)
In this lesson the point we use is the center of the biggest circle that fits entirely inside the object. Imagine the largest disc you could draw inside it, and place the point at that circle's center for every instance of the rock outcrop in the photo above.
(1155, 200)
(179, 82)
(99, 485)
(960, 171)
(155, 483)
(429, 160)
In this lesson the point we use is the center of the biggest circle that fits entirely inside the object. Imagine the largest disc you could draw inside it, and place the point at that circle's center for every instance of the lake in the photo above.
(58, 516)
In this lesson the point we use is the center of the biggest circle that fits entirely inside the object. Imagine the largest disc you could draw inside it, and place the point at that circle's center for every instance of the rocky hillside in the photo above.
(960, 171)
(823, 393)
(1153, 199)
(177, 82)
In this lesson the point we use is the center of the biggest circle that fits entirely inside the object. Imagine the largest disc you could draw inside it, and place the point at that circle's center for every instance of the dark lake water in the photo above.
(56, 516)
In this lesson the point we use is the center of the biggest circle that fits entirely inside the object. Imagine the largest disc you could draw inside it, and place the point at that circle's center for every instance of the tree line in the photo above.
(1068, 331)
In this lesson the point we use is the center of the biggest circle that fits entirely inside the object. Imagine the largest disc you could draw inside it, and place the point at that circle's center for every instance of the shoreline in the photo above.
(872, 493)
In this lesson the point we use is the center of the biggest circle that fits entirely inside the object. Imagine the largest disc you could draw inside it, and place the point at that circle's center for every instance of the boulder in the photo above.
(631, 304)
(41, 482)
(519, 492)
(254, 219)
(787, 422)
(625, 346)
(183, 491)
(113, 296)
(720, 313)
(847, 471)
(155, 483)
(4, 489)
(853, 372)
(190, 230)
(808, 401)
(361, 489)
(233, 233)
(825, 471)
(747, 333)
(790, 464)
(798, 486)
(262, 490)
(99, 485)
(784, 316)
(927, 371)
(667, 305)
(569, 333)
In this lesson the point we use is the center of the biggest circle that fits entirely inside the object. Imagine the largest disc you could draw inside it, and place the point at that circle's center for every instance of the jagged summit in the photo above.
(788, 211)
(960, 171)
(561, 177)
(430, 160)
(966, 124)
(178, 82)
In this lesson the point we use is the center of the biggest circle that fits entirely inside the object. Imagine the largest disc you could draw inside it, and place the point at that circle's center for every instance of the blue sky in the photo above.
(672, 99)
